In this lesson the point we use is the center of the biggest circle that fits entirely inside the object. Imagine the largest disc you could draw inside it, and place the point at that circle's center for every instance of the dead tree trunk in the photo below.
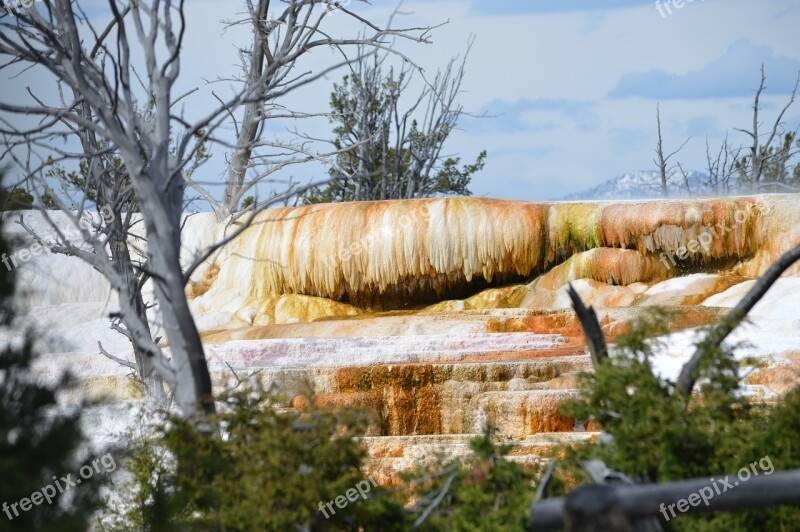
(112, 193)
(687, 377)
(591, 328)
(162, 213)
(652, 500)
(252, 116)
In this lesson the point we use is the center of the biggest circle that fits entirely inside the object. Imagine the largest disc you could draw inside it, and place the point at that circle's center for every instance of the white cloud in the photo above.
(519, 63)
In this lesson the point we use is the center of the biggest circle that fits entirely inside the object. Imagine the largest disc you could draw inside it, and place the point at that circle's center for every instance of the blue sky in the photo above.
(540, 7)
(568, 89)
(572, 87)
(733, 74)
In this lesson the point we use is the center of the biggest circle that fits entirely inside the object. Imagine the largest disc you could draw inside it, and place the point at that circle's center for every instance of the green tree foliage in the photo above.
(392, 150)
(247, 202)
(656, 435)
(781, 168)
(272, 469)
(485, 492)
(36, 441)
(15, 199)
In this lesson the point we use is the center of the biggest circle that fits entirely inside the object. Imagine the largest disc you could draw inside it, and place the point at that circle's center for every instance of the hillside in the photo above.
(640, 184)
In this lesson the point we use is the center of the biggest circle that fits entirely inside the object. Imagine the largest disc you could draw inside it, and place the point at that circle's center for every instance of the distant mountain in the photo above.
(638, 185)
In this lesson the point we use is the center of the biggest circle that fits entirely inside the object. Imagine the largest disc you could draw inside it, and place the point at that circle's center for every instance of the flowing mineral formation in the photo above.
(440, 315)
(396, 254)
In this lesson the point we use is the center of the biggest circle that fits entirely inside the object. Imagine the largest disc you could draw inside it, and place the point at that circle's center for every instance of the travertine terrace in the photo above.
(441, 315)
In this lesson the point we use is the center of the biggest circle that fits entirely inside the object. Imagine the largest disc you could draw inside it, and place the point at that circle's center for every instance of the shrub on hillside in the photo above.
(252, 467)
(656, 435)
(38, 443)
(256, 467)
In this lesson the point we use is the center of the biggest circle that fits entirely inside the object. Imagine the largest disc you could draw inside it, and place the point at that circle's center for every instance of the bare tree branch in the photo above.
(719, 332)
(591, 328)
(646, 500)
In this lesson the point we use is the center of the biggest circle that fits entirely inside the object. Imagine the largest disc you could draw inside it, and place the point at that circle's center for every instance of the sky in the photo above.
(562, 94)
(575, 84)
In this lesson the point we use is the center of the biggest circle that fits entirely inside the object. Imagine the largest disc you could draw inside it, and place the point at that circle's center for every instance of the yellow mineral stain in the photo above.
(405, 253)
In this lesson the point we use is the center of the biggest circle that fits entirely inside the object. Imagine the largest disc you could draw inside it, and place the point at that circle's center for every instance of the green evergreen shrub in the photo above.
(654, 434)
(37, 441)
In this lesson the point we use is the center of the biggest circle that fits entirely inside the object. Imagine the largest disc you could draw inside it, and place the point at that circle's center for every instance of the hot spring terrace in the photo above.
(438, 316)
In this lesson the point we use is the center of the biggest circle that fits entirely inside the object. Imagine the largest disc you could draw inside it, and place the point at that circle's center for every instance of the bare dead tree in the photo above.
(100, 87)
(763, 154)
(686, 183)
(108, 183)
(721, 168)
(270, 65)
(100, 102)
(770, 163)
(662, 161)
(110, 233)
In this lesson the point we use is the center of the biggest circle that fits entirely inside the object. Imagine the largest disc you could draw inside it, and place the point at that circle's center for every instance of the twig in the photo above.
(687, 377)
(541, 489)
(591, 328)
(429, 510)
(118, 360)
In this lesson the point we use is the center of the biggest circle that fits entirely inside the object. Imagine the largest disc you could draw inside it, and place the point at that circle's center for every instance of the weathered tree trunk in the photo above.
(636, 501)
(251, 118)
(660, 160)
(121, 259)
(592, 330)
(594, 508)
(109, 191)
(162, 216)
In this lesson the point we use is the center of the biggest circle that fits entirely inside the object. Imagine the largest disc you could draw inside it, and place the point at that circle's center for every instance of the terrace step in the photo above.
(388, 456)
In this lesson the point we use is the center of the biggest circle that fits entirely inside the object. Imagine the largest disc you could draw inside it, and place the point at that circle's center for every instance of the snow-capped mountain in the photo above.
(638, 185)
